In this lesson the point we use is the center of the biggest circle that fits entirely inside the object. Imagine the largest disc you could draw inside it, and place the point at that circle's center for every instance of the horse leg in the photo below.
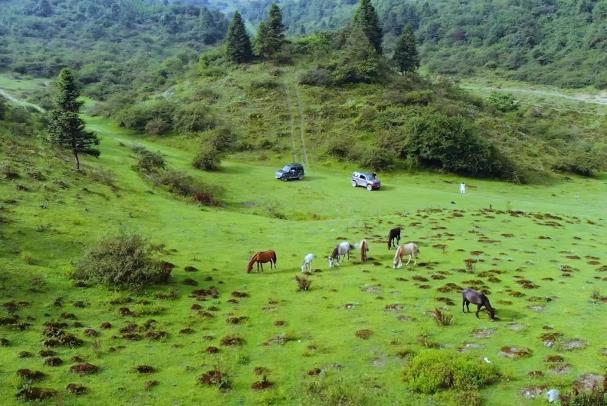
(409, 259)
(478, 309)
(463, 305)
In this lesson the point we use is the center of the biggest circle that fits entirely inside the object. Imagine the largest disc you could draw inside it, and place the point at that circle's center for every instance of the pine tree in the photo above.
(405, 55)
(239, 45)
(270, 34)
(366, 18)
(66, 129)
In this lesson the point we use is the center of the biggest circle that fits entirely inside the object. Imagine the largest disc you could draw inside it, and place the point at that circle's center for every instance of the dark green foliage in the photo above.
(405, 56)
(194, 117)
(270, 34)
(65, 127)
(597, 396)
(434, 370)
(123, 261)
(238, 43)
(367, 20)
(138, 116)
(453, 144)
(116, 44)
(503, 102)
(208, 160)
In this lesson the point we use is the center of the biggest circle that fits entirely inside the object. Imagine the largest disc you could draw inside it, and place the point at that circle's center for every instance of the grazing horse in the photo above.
(261, 258)
(410, 249)
(307, 263)
(341, 250)
(364, 249)
(394, 238)
(479, 299)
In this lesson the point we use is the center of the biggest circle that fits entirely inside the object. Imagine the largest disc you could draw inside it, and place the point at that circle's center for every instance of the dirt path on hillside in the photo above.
(20, 102)
(292, 112)
(598, 98)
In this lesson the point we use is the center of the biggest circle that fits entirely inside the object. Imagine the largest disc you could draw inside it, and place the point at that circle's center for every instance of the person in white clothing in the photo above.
(462, 188)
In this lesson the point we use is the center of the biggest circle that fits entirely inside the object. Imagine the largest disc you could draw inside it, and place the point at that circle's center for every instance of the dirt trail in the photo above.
(292, 125)
(598, 98)
(20, 102)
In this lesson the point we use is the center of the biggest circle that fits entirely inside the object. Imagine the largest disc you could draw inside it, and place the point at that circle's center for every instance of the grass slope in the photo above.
(40, 245)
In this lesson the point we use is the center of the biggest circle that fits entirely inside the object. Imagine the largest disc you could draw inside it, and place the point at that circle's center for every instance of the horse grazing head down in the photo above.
(490, 309)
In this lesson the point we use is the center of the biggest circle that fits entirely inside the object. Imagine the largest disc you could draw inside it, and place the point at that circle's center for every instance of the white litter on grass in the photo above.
(553, 395)
(487, 360)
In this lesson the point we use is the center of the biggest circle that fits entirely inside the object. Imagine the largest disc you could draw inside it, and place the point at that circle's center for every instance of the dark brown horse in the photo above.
(479, 299)
(261, 258)
(394, 238)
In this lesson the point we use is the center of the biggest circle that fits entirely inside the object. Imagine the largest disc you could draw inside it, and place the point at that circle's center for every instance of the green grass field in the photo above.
(538, 250)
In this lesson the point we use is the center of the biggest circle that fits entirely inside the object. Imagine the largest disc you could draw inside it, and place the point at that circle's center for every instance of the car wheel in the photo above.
(369, 188)
(354, 183)
(300, 177)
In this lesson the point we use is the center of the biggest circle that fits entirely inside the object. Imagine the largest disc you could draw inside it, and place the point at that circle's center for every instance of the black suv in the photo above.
(291, 171)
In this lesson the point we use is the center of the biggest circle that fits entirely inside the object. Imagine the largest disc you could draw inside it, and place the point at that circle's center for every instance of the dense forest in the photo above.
(111, 43)
(558, 42)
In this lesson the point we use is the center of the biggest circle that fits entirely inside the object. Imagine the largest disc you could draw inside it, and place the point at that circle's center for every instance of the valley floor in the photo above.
(538, 250)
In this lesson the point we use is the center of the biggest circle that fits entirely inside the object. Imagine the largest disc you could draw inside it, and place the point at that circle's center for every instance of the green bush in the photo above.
(434, 370)
(150, 161)
(503, 102)
(208, 160)
(221, 140)
(123, 261)
(378, 159)
(137, 116)
(192, 118)
(453, 144)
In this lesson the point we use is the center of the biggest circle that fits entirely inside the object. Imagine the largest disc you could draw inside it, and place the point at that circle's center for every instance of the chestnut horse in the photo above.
(364, 249)
(261, 258)
(479, 299)
(394, 238)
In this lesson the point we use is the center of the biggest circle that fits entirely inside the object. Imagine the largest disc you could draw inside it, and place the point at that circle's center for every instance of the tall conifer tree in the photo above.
(239, 45)
(66, 129)
(270, 34)
(405, 56)
(366, 18)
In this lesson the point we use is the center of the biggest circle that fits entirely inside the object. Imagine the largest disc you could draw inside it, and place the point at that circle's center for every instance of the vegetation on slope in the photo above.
(113, 43)
(558, 42)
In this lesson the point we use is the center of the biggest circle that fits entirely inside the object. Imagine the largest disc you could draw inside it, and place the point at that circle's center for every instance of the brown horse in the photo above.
(261, 258)
(479, 299)
(364, 250)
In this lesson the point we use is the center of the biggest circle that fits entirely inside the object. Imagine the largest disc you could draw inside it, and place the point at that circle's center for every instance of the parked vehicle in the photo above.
(292, 171)
(368, 180)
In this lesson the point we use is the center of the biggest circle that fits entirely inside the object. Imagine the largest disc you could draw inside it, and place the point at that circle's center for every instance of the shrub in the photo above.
(316, 77)
(150, 161)
(122, 261)
(157, 126)
(207, 160)
(453, 144)
(434, 370)
(442, 319)
(222, 139)
(194, 117)
(137, 116)
(378, 159)
(303, 283)
(503, 102)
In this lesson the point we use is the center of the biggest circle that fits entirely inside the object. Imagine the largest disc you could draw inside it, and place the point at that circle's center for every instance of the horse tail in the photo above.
(274, 258)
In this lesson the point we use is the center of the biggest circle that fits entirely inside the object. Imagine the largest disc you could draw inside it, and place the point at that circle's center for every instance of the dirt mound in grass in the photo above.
(145, 369)
(263, 384)
(53, 361)
(515, 352)
(590, 382)
(31, 375)
(32, 393)
(533, 392)
(77, 389)
(84, 369)
(232, 340)
(365, 334)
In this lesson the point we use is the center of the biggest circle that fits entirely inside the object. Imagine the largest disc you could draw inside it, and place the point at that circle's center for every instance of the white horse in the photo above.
(341, 250)
(307, 263)
(410, 249)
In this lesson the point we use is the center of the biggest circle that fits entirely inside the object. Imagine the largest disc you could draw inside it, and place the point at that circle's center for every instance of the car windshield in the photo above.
(371, 176)
(287, 168)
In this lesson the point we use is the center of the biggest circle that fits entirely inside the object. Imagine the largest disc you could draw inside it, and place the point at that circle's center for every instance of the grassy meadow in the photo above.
(537, 250)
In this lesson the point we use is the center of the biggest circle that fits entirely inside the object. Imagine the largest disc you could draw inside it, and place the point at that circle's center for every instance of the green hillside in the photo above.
(557, 42)
(113, 44)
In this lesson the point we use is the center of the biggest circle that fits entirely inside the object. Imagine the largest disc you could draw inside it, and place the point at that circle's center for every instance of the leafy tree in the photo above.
(366, 18)
(239, 45)
(66, 128)
(2, 107)
(405, 55)
(270, 34)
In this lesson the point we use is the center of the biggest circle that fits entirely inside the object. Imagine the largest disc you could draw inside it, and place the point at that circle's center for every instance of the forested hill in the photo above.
(110, 42)
(559, 42)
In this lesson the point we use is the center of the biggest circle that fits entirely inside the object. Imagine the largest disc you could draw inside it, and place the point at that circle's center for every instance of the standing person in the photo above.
(462, 188)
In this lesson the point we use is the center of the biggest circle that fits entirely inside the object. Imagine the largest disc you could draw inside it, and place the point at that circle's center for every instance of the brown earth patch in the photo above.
(364, 334)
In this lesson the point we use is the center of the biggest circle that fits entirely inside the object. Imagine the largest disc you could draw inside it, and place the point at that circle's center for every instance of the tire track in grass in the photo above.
(291, 122)
(301, 128)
